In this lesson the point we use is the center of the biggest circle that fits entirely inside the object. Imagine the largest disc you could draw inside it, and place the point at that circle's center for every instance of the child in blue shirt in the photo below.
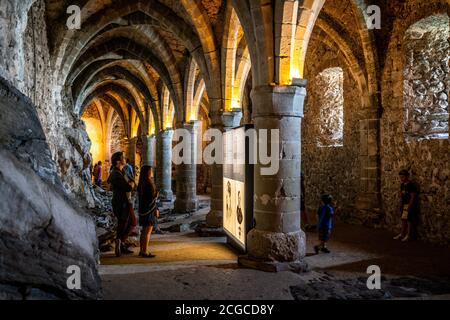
(325, 223)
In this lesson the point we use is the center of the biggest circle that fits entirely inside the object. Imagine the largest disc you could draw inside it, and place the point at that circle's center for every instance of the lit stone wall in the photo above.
(330, 131)
(426, 78)
(118, 137)
(93, 128)
(330, 101)
(413, 94)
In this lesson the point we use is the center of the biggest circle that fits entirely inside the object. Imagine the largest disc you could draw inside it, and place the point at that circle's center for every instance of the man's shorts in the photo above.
(410, 216)
(324, 234)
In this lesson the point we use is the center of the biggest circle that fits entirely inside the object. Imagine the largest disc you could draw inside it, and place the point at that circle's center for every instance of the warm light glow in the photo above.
(167, 124)
(228, 107)
(192, 115)
(235, 104)
(168, 112)
(152, 130)
(134, 130)
(295, 73)
(94, 131)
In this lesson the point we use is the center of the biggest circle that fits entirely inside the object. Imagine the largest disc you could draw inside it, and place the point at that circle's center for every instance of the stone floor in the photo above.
(191, 267)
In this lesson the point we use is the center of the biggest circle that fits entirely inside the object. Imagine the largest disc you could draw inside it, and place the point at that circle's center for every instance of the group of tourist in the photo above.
(122, 182)
(409, 211)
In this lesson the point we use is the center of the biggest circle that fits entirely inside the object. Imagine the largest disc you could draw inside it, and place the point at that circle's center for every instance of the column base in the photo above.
(185, 206)
(214, 219)
(276, 246)
(298, 266)
(204, 231)
(166, 195)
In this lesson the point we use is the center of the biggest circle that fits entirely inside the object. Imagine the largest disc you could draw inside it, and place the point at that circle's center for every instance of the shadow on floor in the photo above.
(356, 247)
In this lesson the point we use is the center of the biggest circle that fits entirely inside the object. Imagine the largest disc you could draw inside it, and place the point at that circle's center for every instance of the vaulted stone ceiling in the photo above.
(130, 50)
(135, 49)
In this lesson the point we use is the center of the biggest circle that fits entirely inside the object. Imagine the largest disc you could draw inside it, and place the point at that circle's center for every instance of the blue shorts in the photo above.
(148, 220)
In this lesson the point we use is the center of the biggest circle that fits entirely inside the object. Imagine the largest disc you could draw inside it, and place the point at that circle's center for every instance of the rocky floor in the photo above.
(191, 267)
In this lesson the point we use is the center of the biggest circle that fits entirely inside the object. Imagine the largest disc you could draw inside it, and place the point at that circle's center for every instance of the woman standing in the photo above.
(148, 211)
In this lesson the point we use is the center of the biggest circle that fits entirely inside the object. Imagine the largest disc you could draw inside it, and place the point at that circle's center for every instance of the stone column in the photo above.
(277, 242)
(368, 201)
(148, 150)
(164, 164)
(132, 151)
(186, 199)
(214, 219)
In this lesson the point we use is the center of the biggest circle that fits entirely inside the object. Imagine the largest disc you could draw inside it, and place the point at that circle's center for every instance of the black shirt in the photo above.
(147, 198)
(120, 187)
(407, 189)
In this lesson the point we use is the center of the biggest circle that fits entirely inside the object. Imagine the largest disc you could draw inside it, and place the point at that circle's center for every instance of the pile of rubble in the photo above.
(105, 221)
(328, 287)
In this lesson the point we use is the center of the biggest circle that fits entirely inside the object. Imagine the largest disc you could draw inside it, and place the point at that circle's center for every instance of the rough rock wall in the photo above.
(333, 169)
(42, 231)
(25, 62)
(118, 137)
(12, 26)
(428, 160)
(330, 102)
(41, 237)
(426, 78)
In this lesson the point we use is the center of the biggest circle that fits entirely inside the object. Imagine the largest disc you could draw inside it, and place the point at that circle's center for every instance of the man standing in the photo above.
(128, 170)
(98, 171)
(122, 208)
(409, 206)
(93, 173)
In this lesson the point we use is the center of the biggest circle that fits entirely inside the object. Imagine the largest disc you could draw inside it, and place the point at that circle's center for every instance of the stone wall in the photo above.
(329, 95)
(203, 170)
(330, 165)
(427, 159)
(25, 62)
(13, 23)
(118, 137)
(426, 78)
(43, 232)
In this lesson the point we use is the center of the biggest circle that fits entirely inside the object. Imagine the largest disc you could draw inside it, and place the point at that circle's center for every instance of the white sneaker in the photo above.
(398, 236)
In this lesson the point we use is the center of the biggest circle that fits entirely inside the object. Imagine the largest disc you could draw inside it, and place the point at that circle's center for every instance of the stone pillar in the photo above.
(164, 165)
(132, 151)
(186, 199)
(368, 201)
(148, 150)
(214, 219)
(277, 242)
